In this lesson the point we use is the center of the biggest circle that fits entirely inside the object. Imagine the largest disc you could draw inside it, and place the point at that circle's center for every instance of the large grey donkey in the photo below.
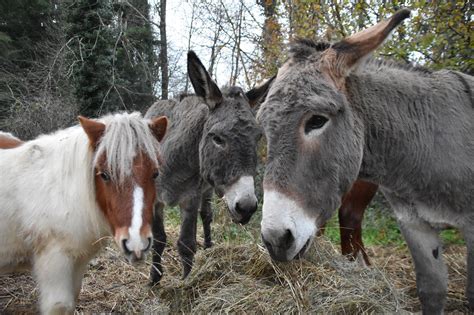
(211, 144)
(330, 118)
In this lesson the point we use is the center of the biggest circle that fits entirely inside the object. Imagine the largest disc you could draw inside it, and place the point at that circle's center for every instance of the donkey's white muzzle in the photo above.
(287, 231)
(241, 200)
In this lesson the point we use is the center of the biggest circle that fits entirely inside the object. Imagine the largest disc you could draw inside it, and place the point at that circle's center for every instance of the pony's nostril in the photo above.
(125, 248)
(149, 244)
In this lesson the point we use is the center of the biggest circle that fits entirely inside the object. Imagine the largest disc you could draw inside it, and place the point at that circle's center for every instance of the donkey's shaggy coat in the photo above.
(409, 130)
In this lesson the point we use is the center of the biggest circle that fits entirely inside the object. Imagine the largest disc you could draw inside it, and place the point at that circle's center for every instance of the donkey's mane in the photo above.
(302, 48)
(125, 136)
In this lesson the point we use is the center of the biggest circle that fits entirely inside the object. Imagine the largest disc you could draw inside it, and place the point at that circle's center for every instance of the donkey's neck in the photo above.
(414, 124)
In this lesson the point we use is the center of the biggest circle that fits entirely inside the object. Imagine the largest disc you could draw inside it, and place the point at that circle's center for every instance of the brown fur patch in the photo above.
(7, 142)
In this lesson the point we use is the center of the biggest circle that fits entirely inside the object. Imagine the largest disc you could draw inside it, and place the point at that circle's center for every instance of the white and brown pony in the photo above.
(62, 193)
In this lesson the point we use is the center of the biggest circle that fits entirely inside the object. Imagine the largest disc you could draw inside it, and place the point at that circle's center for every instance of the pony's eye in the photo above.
(218, 140)
(315, 122)
(105, 176)
(155, 174)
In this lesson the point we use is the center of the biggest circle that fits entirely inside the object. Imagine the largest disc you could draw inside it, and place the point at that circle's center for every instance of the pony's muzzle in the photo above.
(135, 253)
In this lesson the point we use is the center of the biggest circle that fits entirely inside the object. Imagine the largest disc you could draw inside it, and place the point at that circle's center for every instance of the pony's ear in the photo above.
(258, 94)
(202, 82)
(158, 127)
(340, 58)
(94, 129)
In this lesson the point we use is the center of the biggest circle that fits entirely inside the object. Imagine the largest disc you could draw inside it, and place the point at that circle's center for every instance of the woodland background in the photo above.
(61, 58)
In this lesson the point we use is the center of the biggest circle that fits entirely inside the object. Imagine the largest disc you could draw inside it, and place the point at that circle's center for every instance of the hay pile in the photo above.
(243, 279)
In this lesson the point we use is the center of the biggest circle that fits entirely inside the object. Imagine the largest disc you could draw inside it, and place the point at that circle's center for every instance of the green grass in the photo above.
(379, 226)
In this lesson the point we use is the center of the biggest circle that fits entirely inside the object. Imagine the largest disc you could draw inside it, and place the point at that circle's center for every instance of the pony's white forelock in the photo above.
(125, 136)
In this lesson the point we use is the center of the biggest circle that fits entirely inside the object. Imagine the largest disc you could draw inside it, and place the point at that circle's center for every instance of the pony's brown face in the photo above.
(127, 203)
(128, 206)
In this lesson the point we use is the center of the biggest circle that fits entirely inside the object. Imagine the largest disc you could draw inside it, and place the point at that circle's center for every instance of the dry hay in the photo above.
(242, 279)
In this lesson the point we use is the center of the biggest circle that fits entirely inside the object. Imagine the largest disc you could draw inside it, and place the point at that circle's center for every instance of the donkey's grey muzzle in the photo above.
(241, 200)
(245, 209)
(278, 244)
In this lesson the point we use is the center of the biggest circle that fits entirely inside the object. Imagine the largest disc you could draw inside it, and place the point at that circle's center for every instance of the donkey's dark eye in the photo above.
(218, 140)
(155, 174)
(315, 122)
(105, 176)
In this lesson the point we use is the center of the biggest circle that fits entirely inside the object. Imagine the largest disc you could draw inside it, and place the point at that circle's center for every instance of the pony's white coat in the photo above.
(49, 217)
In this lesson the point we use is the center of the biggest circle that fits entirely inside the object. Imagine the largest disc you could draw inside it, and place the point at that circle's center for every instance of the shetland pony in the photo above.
(62, 193)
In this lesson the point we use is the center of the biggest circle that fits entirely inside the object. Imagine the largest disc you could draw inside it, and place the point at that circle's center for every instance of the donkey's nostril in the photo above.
(287, 239)
(124, 245)
(245, 208)
(267, 243)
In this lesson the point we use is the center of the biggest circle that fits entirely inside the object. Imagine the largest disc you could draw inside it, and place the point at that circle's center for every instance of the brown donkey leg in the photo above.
(351, 214)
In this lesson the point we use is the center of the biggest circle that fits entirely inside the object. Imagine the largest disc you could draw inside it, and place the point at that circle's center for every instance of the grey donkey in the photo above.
(331, 118)
(211, 144)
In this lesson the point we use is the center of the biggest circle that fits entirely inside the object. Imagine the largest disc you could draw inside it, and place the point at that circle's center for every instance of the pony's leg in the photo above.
(159, 243)
(431, 273)
(78, 274)
(206, 217)
(54, 271)
(187, 236)
(351, 214)
(469, 238)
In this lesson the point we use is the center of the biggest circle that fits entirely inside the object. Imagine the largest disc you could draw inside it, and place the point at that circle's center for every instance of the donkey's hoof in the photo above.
(208, 244)
(155, 278)
(186, 272)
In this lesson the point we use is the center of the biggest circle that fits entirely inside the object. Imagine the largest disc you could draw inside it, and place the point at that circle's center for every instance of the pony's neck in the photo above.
(72, 158)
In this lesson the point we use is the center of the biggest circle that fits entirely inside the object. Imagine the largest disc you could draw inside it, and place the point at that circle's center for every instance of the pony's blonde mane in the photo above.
(125, 136)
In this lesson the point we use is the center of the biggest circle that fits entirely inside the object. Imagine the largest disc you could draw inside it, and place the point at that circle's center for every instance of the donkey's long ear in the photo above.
(94, 129)
(202, 82)
(344, 55)
(258, 94)
(158, 127)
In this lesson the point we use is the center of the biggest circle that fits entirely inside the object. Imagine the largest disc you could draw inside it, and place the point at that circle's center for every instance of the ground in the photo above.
(237, 276)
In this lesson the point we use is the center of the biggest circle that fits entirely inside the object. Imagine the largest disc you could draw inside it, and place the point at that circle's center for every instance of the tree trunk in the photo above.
(163, 52)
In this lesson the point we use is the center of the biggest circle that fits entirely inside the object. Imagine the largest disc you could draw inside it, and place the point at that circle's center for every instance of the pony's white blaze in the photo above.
(279, 214)
(135, 242)
(243, 191)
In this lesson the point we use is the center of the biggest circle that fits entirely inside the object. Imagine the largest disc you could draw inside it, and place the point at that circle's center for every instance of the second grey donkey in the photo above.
(330, 118)
(211, 145)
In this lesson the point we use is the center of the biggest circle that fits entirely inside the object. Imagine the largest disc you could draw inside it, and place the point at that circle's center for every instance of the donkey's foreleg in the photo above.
(159, 243)
(54, 271)
(469, 238)
(431, 272)
(206, 217)
(187, 236)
